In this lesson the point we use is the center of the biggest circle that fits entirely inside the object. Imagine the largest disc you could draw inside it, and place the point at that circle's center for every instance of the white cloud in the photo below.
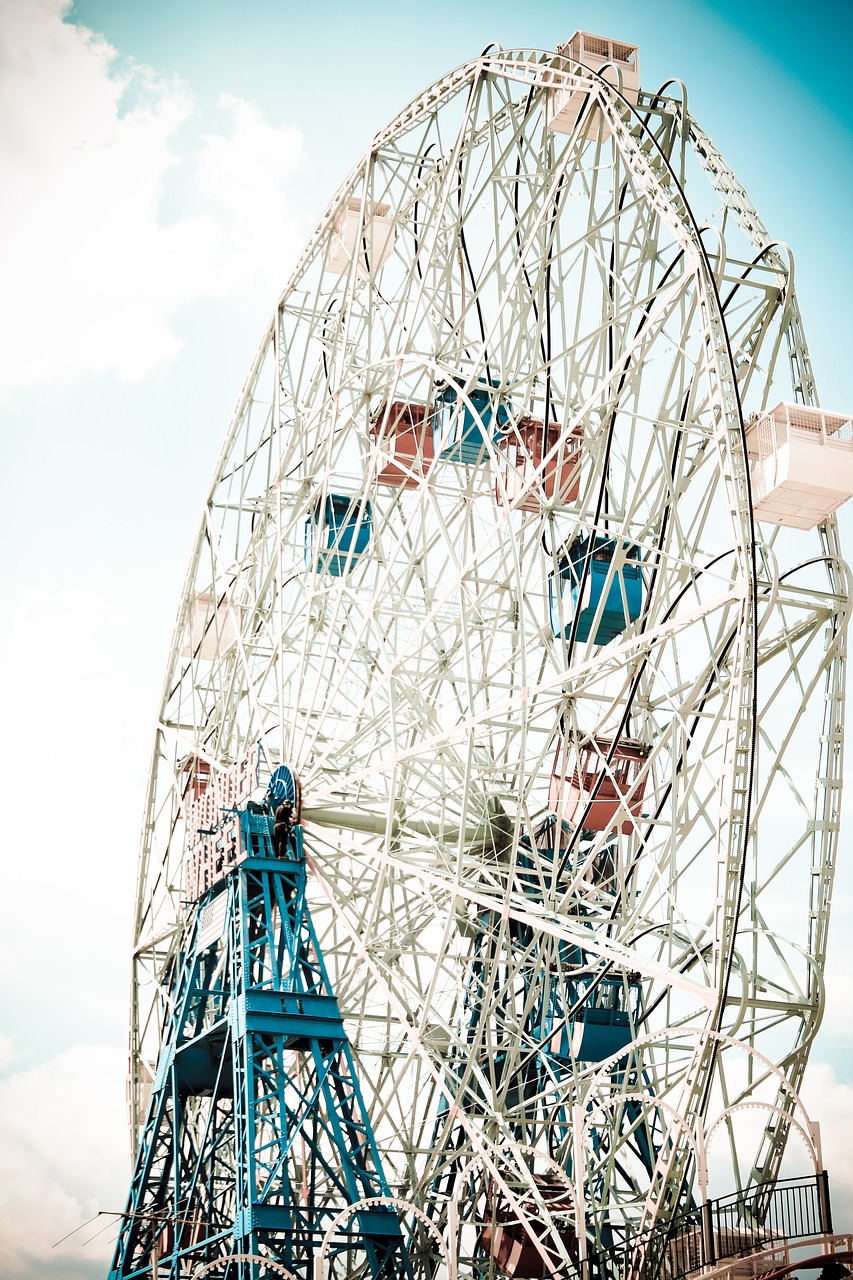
(92, 275)
(84, 666)
(8, 1051)
(830, 1101)
(63, 1157)
(246, 174)
(838, 1019)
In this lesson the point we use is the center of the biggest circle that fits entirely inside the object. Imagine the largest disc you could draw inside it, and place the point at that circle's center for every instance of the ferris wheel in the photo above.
(484, 565)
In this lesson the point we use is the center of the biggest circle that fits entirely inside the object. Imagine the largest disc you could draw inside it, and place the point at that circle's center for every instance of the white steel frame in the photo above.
(419, 695)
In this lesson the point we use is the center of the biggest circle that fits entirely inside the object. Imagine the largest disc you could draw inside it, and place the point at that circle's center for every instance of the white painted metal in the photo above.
(421, 692)
(219, 1264)
(802, 464)
(820, 844)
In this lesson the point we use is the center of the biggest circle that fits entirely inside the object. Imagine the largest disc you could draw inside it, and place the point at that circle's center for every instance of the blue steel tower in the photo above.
(257, 1134)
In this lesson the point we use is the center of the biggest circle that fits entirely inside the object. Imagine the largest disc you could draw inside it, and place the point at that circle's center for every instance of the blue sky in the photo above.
(163, 163)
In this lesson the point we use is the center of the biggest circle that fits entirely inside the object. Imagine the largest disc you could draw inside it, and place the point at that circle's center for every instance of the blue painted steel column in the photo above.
(256, 1059)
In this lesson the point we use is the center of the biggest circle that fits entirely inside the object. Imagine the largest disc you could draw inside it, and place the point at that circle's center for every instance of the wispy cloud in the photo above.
(247, 174)
(83, 667)
(830, 1102)
(94, 274)
(8, 1052)
(63, 1157)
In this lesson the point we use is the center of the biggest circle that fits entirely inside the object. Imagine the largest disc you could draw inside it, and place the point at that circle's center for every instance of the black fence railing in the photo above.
(674, 1251)
(790, 1210)
(729, 1227)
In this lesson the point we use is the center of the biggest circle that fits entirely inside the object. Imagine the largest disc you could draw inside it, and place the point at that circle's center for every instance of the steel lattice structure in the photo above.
(550, 1018)
(256, 1061)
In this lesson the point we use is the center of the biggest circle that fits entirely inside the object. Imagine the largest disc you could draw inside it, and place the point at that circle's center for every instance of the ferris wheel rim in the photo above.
(468, 71)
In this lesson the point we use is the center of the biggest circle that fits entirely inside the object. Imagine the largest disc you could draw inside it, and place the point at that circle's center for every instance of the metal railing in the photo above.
(729, 1227)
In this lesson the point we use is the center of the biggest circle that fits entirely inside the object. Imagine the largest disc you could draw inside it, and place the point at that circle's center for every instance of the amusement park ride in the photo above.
(488, 856)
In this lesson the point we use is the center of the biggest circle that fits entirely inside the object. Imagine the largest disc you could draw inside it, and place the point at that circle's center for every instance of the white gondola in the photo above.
(616, 61)
(801, 464)
(213, 626)
(365, 239)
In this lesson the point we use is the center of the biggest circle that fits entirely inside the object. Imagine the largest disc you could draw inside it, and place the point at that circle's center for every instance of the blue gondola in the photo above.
(603, 1025)
(535, 866)
(460, 435)
(613, 595)
(537, 871)
(341, 526)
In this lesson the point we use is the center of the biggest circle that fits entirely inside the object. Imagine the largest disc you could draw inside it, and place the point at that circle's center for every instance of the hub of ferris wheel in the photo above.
(520, 557)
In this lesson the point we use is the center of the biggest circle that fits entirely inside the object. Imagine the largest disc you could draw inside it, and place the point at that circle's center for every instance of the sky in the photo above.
(162, 163)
